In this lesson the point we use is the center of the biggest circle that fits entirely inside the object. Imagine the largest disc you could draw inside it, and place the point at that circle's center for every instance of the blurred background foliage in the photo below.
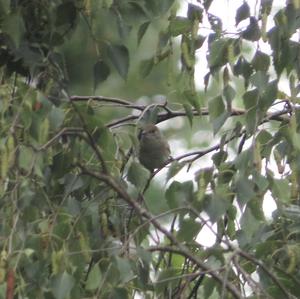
(80, 217)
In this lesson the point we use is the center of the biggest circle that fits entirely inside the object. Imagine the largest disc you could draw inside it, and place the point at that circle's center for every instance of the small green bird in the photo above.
(154, 150)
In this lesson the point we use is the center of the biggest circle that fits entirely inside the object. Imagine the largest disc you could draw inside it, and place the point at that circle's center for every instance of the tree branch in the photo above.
(169, 114)
(110, 100)
(266, 270)
(256, 287)
(182, 249)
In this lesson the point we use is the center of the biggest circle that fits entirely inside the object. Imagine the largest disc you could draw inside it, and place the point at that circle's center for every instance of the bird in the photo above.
(154, 149)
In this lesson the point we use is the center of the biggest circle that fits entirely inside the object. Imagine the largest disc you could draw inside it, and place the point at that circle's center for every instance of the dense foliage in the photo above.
(81, 217)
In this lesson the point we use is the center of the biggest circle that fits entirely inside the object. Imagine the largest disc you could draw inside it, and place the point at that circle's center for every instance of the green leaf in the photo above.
(149, 117)
(144, 255)
(146, 67)
(216, 206)
(155, 200)
(66, 14)
(192, 98)
(26, 158)
(243, 68)
(94, 278)
(250, 99)
(189, 112)
(216, 107)
(244, 190)
(73, 206)
(179, 194)
(242, 13)
(252, 32)
(174, 168)
(215, 23)
(188, 230)
(138, 175)
(219, 157)
(226, 169)
(218, 53)
(209, 286)
(195, 12)
(4, 7)
(107, 144)
(123, 28)
(119, 56)
(291, 211)
(61, 164)
(266, 7)
(167, 279)
(101, 72)
(269, 95)
(261, 61)
(199, 41)
(142, 30)
(94, 124)
(72, 182)
(281, 190)
(14, 26)
(203, 177)
(219, 121)
(61, 285)
(244, 161)
(217, 113)
(259, 80)
(119, 293)
(207, 3)
(126, 273)
(249, 225)
(226, 76)
(56, 118)
(264, 138)
(275, 38)
(288, 19)
(158, 7)
(63, 227)
(229, 94)
(180, 25)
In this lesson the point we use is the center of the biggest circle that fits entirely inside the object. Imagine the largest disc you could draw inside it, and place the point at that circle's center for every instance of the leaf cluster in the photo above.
(81, 217)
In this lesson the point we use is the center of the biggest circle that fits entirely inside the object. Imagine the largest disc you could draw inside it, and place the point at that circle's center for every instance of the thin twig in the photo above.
(266, 270)
(199, 154)
(63, 131)
(111, 100)
(181, 248)
(257, 289)
(91, 139)
(196, 286)
(169, 114)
